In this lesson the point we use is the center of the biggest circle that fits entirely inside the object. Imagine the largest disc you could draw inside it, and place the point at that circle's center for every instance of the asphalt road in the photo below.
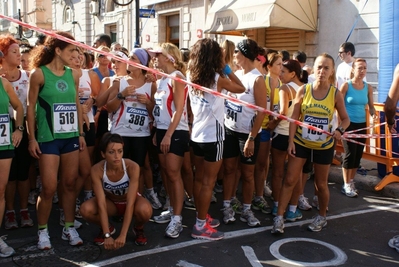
(356, 235)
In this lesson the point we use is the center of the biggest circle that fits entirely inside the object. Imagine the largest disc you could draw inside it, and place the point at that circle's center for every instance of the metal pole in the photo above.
(137, 9)
(19, 26)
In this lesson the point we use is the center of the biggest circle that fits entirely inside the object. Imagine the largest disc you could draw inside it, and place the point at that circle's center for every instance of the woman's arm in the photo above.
(343, 115)
(179, 101)
(102, 96)
(233, 84)
(82, 142)
(133, 171)
(36, 80)
(295, 115)
(17, 106)
(371, 102)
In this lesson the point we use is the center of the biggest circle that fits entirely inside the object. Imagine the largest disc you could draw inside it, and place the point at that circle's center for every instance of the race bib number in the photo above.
(136, 116)
(312, 135)
(65, 118)
(232, 111)
(4, 130)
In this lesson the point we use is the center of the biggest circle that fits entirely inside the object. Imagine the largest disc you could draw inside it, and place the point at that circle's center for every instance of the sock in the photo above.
(68, 224)
(8, 211)
(276, 204)
(279, 217)
(292, 208)
(246, 207)
(150, 191)
(42, 227)
(23, 210)
(200, 224)
(226, 203)
(176, 218)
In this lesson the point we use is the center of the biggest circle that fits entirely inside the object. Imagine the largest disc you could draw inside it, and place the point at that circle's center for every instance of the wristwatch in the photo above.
(251, 138)
(20, 128)
(340, 129)
(120, 96)
(107, 235)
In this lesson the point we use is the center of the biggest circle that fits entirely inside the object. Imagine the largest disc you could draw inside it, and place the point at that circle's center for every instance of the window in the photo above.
(173, 29)
(68, 14)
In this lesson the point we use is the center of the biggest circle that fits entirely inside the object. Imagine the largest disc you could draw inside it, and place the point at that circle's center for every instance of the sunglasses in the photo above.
(236, 51)
(101, 56)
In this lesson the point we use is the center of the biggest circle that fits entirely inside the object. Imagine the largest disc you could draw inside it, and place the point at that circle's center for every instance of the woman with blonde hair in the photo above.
(171, 136)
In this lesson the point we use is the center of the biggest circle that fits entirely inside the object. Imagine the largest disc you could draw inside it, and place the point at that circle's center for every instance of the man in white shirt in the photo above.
(346, 53)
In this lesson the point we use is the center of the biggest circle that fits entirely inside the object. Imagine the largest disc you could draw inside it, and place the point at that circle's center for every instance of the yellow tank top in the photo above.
(318, 113)
(276, 99)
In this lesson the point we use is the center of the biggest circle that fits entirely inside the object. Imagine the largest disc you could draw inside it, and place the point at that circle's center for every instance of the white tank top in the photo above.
(85, 92)
(165, 105)
(208, 112)
(21, 89)
(118, 188)
(132, 119)
(239, 118)
(284, 126)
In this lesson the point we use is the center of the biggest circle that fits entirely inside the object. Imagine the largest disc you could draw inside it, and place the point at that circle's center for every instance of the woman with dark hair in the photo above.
(292, 78)
(55, 111)
(19, 172)
(314, 104)
(115, 184)
(207, 133)
(242, 125)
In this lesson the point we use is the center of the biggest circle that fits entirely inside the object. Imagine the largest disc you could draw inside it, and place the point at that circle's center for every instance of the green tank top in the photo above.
(5, 121)
(56, 111)
(318, 113)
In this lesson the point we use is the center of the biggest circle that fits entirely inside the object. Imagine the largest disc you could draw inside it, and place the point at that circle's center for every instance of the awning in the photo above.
(234, 16)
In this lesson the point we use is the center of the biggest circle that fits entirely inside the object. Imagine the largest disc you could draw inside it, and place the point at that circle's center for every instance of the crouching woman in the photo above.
(115, 184)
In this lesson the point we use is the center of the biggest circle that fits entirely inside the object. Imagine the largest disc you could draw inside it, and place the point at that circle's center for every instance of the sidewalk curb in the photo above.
(365, 182)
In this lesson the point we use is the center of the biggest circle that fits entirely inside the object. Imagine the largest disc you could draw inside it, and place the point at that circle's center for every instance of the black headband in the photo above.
(244, 49)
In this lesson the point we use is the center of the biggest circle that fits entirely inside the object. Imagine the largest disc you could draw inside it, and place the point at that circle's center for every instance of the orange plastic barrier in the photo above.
(375, 154)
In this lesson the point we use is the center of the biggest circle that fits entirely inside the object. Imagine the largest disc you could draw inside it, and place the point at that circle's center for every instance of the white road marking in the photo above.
(339, 256)
(228, 235)
(251, 256)
(187, 264)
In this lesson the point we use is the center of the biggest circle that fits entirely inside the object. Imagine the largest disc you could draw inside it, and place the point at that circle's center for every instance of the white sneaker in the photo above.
(76, 223)
(267, 191)
(44, 240)
(5, 250)
(72, 236)
(153, 199)
(303, 203)
(348, 190)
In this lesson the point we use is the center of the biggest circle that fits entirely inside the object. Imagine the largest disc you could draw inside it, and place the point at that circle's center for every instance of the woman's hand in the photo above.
(337, 135)
(291, 149)
(34, 149)
(82, 143)
(129, 90)
(165, 144)
(109, 243)
(16, 138)
(119, 242)
(249, 148)
(143, 99)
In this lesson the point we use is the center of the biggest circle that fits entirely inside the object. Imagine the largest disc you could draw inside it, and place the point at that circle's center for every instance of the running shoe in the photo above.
(394, 242)
(5, 250)
(353, 187)
(44, 240)
(10, 221)
(162, 192)
(77, 212)
(236, 205)
(218, 188)
(315, 203)
(249, 217)
(293, 216)
(140, 239)
(189, 202)
(32, 196)
(318, 224)
(212, 222)
(278, 226)
(174, 229)
(26, 220)
(228, 215)
(72, 236)
(348, 190)
(267, 191)
(213, 199)
(262, 205)
(99, 239)
(167, 203)
(164, 217)
(207, 233)
(303, 203)
(153, 199)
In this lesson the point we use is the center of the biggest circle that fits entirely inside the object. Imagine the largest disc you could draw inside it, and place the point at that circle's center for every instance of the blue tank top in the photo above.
(96, 70)
(355, 102)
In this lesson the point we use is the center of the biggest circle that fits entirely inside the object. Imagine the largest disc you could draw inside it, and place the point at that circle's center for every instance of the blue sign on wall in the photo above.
(147, 13)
